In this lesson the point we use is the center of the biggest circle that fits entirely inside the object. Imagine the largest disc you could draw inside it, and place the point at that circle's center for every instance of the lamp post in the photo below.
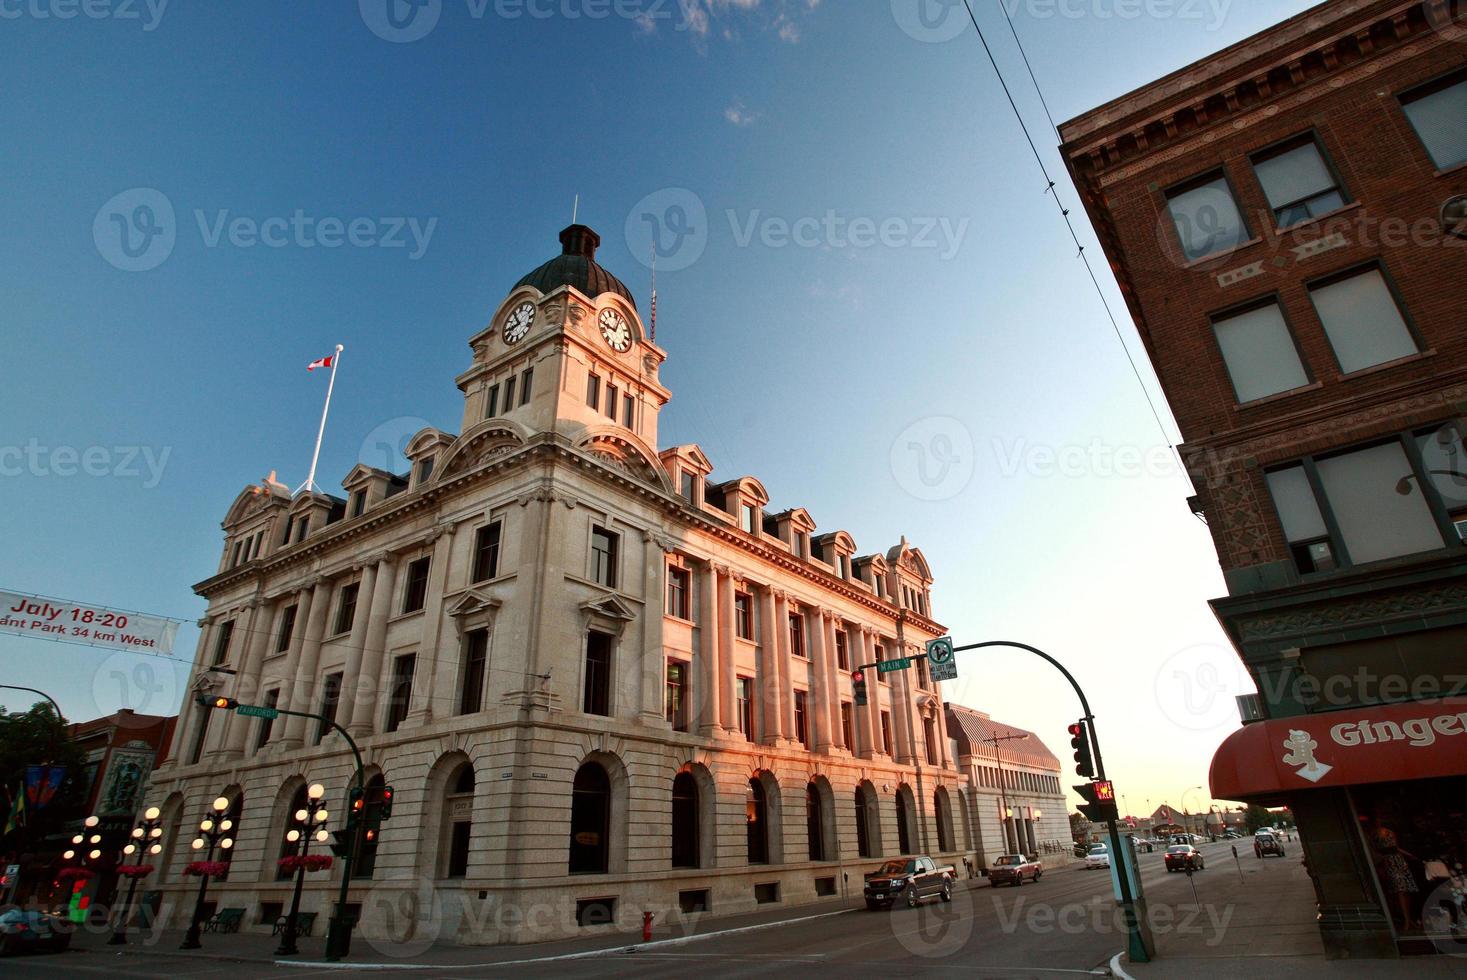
(214, 831)
(146, 839)
(1003, 790)
(85, 846)
(312, 815)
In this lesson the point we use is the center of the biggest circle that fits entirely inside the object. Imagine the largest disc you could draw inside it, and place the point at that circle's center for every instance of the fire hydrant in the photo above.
(646, 927)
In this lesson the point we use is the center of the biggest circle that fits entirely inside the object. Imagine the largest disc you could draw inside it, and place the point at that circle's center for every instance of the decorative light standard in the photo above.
(214, 830)
(146, 840)
(308, 821)
(86, 846)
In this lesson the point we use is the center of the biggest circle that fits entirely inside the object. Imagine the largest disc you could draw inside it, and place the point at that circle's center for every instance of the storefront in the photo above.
(1381, 806)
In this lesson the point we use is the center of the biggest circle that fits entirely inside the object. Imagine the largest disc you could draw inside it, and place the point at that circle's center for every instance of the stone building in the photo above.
(598, 681)
(1287, 220)
(1016, 802)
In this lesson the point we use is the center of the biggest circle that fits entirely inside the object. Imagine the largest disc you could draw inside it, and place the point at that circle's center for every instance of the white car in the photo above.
(1097, 857)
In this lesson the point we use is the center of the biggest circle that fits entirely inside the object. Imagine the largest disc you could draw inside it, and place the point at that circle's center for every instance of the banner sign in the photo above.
(74, 622)
(41, 784)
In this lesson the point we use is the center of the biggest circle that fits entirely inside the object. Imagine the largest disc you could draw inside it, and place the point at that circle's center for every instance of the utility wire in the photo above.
(1064, 211)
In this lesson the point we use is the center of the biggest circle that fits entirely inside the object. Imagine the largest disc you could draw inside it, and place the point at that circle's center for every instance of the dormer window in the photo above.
(689, 488)
(302, 528)
(358, 503)
(748, 517)
(424, 470)
(802, 545)
(842, 566)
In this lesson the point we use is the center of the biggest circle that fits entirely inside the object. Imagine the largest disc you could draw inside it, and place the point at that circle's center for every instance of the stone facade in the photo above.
(562, 648)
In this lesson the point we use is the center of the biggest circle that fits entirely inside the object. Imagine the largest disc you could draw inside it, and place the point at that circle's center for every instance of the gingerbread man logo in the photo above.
(1301, 746)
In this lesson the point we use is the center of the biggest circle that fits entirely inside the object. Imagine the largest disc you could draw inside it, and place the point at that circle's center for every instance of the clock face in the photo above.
(517, 324)
(616, 330)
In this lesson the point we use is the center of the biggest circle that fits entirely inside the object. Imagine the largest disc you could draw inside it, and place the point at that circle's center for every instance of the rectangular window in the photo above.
(922, 682)
(744, 615)
(491, 404)
(677, 592)
(628, 411)
(929, 738)
(611, 401)
(842, 650)
(508, 394)
(289, 529)
(358, 503)
(593, 391)
(1375, 519)
(748, 518)
(287, 627)
(458, 849)
(302, 529)
(603, 557)
(525, 381)
(476, 660)
(1259, 352)
(886, 732)
(689, 487)
(400, 695)
(1362, 320)
(262, 736)
(221, 644)
(1206, 217)
(847, 725)
(745, 691)
(486, 552)
(416, 591)
(802, 723)
(425, 470)
(1438, 111)
(596, 699)
(1297, 182)
(675, 705)
(1301, 520)
(330, 699)
(797, 635)
(234, 558)
(346, 608)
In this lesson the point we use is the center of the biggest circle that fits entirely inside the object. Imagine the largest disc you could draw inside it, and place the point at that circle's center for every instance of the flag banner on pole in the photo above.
(17, 818)
(323, 362)
(73, 622)
(41, 784)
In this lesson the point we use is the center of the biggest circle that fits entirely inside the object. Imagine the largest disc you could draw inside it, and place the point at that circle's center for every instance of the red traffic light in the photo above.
(857, 676)
(1075, 730)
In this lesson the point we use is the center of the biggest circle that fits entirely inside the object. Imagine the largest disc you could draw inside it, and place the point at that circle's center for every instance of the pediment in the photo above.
(609, 606)
(472, 602)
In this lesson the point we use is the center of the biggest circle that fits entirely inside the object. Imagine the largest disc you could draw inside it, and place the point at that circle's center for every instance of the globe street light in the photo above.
(215, 830)
(298, 842)
(147, 841)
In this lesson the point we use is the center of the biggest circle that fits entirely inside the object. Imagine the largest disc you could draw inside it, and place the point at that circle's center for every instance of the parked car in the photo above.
(1080, 848)
(27, 931)
(911, 880)
(1143, 844)
(1184, 857)
(1232, 835)
(1097, 857)
(1267, 842)
(1012, 869)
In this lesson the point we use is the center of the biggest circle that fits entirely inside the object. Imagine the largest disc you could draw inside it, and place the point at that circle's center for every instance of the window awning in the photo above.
(1381, 744)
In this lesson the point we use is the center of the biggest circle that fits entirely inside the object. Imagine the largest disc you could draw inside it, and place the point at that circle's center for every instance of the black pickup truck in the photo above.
(909, 880)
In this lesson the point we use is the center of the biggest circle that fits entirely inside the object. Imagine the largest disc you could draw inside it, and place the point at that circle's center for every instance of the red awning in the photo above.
(1381, 744)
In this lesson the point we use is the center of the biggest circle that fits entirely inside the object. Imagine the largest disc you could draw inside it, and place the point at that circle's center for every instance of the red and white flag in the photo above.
(323, 362)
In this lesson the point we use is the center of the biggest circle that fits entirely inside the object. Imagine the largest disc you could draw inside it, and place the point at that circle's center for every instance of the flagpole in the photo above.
(310, 483)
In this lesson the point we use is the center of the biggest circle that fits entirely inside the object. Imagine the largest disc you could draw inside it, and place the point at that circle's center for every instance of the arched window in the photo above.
(863, 829)
(942, 815)
(364, 861)
(904, 820)
(814, 822)
(684, 820)
(458, 813)
(287, 848)
(756, 813)
(590, 820)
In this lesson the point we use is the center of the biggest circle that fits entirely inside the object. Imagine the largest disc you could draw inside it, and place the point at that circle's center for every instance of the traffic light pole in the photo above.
(1141, 948)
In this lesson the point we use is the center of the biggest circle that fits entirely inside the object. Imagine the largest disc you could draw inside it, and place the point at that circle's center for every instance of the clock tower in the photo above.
(566, 353)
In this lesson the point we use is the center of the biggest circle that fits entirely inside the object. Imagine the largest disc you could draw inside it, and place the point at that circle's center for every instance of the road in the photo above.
(1064, 924)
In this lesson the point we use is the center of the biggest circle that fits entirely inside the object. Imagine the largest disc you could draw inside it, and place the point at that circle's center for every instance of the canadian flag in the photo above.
(323, 362)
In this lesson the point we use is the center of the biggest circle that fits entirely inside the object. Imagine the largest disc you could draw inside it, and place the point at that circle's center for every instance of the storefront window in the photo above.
(1416, 836)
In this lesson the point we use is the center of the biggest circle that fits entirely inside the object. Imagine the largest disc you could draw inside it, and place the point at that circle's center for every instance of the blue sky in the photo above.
(873, 306)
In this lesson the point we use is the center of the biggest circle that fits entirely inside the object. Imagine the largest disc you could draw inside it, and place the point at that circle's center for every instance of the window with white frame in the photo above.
(1362, 320)
(1207, 217)
(1298, 182)
(1259, 352)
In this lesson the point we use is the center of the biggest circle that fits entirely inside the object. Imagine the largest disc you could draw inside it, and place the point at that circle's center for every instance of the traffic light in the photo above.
(1100, 801)
(858, 680)
(1080, 742)
(216, 702)
(341, 841)
(356, 805)
(386, 803)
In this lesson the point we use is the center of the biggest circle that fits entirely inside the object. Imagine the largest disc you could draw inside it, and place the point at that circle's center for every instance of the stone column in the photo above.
(866, 736)
(704, 718)
(728, 708)
(374, 650)
(901, 715)
(783, 662)
(772, 730)
(247, 681)
(303, 690)
(819, 711)
(420, 711)
(832, 679)
(650, 662)
(355, 646)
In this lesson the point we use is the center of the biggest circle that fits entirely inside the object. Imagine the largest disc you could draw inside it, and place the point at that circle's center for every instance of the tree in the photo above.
(1256, 817)
(36, 737)
(1079, 826)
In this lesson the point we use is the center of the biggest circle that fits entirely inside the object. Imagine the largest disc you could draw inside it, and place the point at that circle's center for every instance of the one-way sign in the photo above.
(941, 664)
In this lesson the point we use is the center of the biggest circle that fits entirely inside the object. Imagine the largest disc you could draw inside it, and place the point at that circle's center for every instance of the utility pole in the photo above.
(1003, 790)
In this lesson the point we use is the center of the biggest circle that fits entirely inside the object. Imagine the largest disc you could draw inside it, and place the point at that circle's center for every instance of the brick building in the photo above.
(1285, 220)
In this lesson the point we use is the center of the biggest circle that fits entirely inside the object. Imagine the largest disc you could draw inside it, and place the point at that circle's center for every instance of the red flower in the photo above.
(212, 869)
(79, 874)
(311, 862)
(135, 870)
